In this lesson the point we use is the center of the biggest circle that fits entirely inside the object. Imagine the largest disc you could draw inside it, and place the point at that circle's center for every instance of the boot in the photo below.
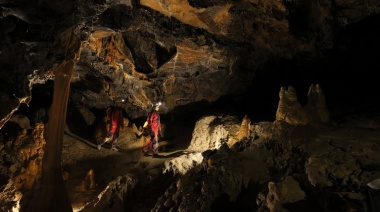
(113, 148)
(100, 145)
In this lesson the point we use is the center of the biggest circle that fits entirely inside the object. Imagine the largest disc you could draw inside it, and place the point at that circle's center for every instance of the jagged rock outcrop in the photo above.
(25, 153)
(224, 173)
(286, 192)
(291, 111)
(113, 196)
(212, 132)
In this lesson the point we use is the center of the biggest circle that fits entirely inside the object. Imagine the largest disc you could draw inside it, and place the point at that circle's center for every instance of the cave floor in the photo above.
(88, 171)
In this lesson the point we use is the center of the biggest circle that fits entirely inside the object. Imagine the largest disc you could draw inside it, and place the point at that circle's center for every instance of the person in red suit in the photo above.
(116, 122)
(154, 126)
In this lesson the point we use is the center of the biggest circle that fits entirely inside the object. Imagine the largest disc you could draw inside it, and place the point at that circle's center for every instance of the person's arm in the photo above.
(151, 119)
(159, 123)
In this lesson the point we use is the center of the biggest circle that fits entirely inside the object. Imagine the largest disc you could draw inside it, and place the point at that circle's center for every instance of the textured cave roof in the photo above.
(189, 54)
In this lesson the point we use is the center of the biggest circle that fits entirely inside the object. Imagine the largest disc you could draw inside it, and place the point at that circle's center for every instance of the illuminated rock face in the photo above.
(178, 51)
(292, 112)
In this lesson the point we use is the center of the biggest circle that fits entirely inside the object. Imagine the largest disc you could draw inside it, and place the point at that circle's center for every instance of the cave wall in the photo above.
(187, 52)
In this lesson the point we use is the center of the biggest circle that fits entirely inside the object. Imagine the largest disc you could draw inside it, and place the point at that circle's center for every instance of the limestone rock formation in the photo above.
(291, 111)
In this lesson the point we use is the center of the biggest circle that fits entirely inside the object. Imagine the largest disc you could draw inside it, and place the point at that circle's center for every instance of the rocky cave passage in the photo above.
(286, 88)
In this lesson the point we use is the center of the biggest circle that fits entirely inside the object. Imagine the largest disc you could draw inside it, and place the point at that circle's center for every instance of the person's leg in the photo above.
(149, 144)
(114, 140)
(108, 137)
(155, 143)
(113, 146)
(147, 147)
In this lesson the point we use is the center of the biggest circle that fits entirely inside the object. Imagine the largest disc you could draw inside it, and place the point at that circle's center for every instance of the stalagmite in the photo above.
(51, 194)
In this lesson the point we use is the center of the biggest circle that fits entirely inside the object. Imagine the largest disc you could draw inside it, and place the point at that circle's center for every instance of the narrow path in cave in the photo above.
(89, 170)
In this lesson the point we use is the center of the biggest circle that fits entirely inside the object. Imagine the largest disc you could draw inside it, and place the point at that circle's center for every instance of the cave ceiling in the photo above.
(181, 52)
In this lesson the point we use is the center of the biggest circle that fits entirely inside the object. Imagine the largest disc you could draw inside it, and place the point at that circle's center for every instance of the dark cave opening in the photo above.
(346, 73)
(350, 74)
(42, 97)
(246, 200)
(222, 203)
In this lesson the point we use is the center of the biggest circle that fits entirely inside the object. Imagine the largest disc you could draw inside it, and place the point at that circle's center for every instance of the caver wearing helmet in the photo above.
(116, 121)
(154, 126)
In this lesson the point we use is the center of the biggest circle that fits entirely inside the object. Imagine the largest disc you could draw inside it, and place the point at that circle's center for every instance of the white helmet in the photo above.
(119, 99)
(156, 104)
